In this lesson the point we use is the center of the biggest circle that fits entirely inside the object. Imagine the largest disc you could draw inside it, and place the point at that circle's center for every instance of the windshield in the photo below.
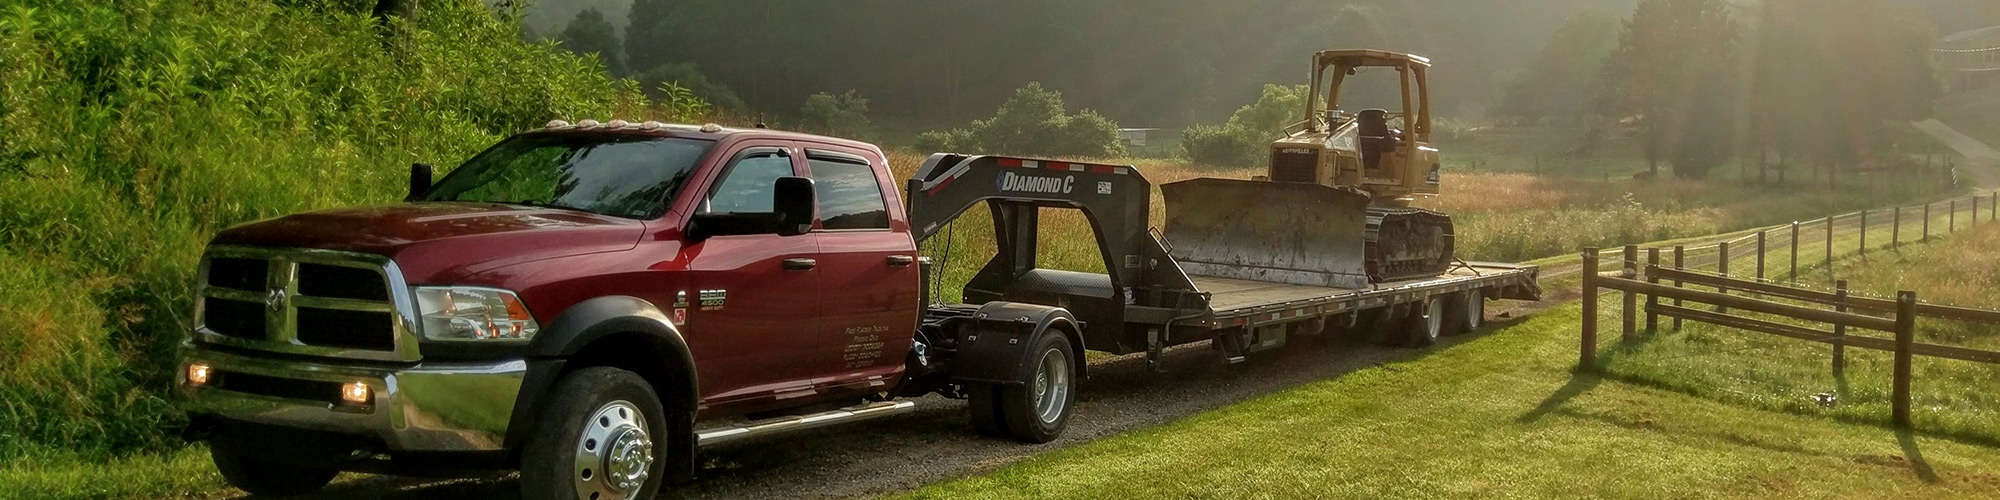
(620, 175)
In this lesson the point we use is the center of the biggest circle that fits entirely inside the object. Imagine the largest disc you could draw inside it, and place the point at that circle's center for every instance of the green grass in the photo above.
(1498, 416)
(1774, 373)
(180, 473)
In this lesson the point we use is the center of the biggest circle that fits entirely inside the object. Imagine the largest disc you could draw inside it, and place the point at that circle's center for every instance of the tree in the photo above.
(1565, 68)
(1672, 77)
(1033, 122)
(590, 33)
(1829, 73)
(844, 115)
(1243, 139)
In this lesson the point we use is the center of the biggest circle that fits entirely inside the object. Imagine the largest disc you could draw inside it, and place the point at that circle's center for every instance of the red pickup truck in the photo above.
(590, 303)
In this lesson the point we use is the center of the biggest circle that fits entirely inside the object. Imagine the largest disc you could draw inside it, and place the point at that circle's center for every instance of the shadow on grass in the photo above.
(1579, 383)
(1916, 456)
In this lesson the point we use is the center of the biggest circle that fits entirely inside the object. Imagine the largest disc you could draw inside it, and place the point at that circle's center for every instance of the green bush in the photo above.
(844, 115)
(1033, 122)
(1244, 139)
(131, 131)
(687, 76)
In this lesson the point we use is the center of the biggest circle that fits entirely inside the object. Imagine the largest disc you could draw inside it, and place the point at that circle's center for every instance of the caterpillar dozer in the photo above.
(1334, 208)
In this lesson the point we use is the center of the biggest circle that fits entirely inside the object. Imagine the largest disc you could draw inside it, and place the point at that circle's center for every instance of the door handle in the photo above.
(901, 260)
(800, 264)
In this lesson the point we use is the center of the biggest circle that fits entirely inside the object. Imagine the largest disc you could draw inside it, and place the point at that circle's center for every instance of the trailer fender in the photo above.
(993, 347)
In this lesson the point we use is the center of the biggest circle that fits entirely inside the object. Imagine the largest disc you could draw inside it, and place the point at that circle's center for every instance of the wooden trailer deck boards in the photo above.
(1236, 302)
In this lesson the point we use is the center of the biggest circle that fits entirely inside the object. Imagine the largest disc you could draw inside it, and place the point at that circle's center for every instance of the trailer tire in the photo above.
(1037, 409)
(1465, 312)
(600, 416)
(1424, 324)
(983, 403)
(266, 478)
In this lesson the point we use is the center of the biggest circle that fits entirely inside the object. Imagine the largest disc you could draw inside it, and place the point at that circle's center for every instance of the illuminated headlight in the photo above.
(459, 313)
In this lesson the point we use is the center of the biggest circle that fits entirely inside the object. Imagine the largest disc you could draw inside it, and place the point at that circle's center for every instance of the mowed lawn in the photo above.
(1496, 416)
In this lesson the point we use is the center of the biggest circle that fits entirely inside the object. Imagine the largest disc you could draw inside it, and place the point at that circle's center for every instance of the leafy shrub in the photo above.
(687, 76)
(844, 115)
(1243, 139)
(1033, 122)
(131, 131)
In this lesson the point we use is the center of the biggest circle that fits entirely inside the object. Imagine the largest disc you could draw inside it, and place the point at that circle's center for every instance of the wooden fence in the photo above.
(1838, 310)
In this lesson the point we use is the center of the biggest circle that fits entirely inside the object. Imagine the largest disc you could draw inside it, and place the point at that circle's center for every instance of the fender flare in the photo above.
(618, 318)
(995, 347)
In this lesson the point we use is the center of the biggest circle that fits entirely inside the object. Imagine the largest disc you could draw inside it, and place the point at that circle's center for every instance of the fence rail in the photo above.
(1839, 311)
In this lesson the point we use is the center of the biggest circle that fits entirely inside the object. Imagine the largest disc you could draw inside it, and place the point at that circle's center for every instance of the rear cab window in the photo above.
(850, 196)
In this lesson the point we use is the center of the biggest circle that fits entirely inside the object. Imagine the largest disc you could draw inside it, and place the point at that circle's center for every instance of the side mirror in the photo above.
(420, 181)
(794, 200)
(792, 204)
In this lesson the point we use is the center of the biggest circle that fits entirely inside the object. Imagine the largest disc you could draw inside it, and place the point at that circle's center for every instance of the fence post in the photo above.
(1722, 268)
(1840, 330)
(1829, 244)
(1760, 254)
(1951, 219)
(1864, 233)
(1896, 230)
(1927, 224)
(1652, 276)
(1628, 314)
(1906, 334)
(1795, 252)
(1587, 358)
(1680, 263)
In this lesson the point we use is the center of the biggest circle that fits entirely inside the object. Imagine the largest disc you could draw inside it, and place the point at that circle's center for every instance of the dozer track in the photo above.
(1407, 243)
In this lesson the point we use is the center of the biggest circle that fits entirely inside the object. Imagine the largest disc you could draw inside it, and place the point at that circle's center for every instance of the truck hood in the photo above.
(444, 242)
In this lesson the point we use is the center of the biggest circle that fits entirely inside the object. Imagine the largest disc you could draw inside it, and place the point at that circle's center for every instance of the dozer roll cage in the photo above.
(1414, 73)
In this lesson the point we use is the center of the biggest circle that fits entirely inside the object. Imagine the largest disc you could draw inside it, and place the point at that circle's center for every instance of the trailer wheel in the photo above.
(596, 441)
(263, 477)
(1038, 408)
(1466, 312)
(1424, 324)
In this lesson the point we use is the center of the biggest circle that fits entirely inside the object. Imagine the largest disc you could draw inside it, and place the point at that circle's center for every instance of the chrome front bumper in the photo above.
(442, 407)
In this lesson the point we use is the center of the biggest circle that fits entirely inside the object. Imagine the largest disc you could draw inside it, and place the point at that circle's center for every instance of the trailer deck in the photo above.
(1238, 302)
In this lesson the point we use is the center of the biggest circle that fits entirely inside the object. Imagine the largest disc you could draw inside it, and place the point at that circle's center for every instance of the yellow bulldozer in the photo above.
(1334, 208)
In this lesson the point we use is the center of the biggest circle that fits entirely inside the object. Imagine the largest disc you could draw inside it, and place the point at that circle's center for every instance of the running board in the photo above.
(850, 414)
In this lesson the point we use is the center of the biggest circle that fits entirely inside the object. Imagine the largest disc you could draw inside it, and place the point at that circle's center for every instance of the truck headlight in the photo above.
(462, 313)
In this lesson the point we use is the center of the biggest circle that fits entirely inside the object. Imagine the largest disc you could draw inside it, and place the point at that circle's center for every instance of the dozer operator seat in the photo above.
(1376, 137)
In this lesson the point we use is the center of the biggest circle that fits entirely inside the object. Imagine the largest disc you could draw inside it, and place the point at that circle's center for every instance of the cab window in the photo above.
(746, 185)
(849, 195)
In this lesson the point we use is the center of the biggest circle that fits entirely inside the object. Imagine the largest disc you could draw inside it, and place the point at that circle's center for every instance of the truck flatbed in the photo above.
(1239, 302)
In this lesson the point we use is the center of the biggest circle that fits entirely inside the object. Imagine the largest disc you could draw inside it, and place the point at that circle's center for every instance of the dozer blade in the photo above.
(1297, 233)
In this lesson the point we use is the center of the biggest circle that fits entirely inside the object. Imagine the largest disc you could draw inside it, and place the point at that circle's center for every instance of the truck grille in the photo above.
(310, 302)
(1295, 166)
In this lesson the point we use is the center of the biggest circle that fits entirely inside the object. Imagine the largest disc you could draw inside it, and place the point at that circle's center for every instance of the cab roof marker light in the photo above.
(588, 124)
(652, 125)
(618, 124)
(711, 128)
(557, 124)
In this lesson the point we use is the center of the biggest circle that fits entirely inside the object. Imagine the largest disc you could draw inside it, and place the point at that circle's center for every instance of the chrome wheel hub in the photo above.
(614, 456)
(1051, 386)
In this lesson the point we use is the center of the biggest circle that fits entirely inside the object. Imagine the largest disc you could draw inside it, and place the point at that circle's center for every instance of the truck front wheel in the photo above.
(597, 440)
(1038, 408)
(262, 477)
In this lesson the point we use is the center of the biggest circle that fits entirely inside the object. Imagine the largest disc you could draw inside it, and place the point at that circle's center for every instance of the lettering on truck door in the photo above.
(868, 270)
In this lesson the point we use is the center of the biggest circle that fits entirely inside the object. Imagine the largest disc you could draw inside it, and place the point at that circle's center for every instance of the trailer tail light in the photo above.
(197, 374)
